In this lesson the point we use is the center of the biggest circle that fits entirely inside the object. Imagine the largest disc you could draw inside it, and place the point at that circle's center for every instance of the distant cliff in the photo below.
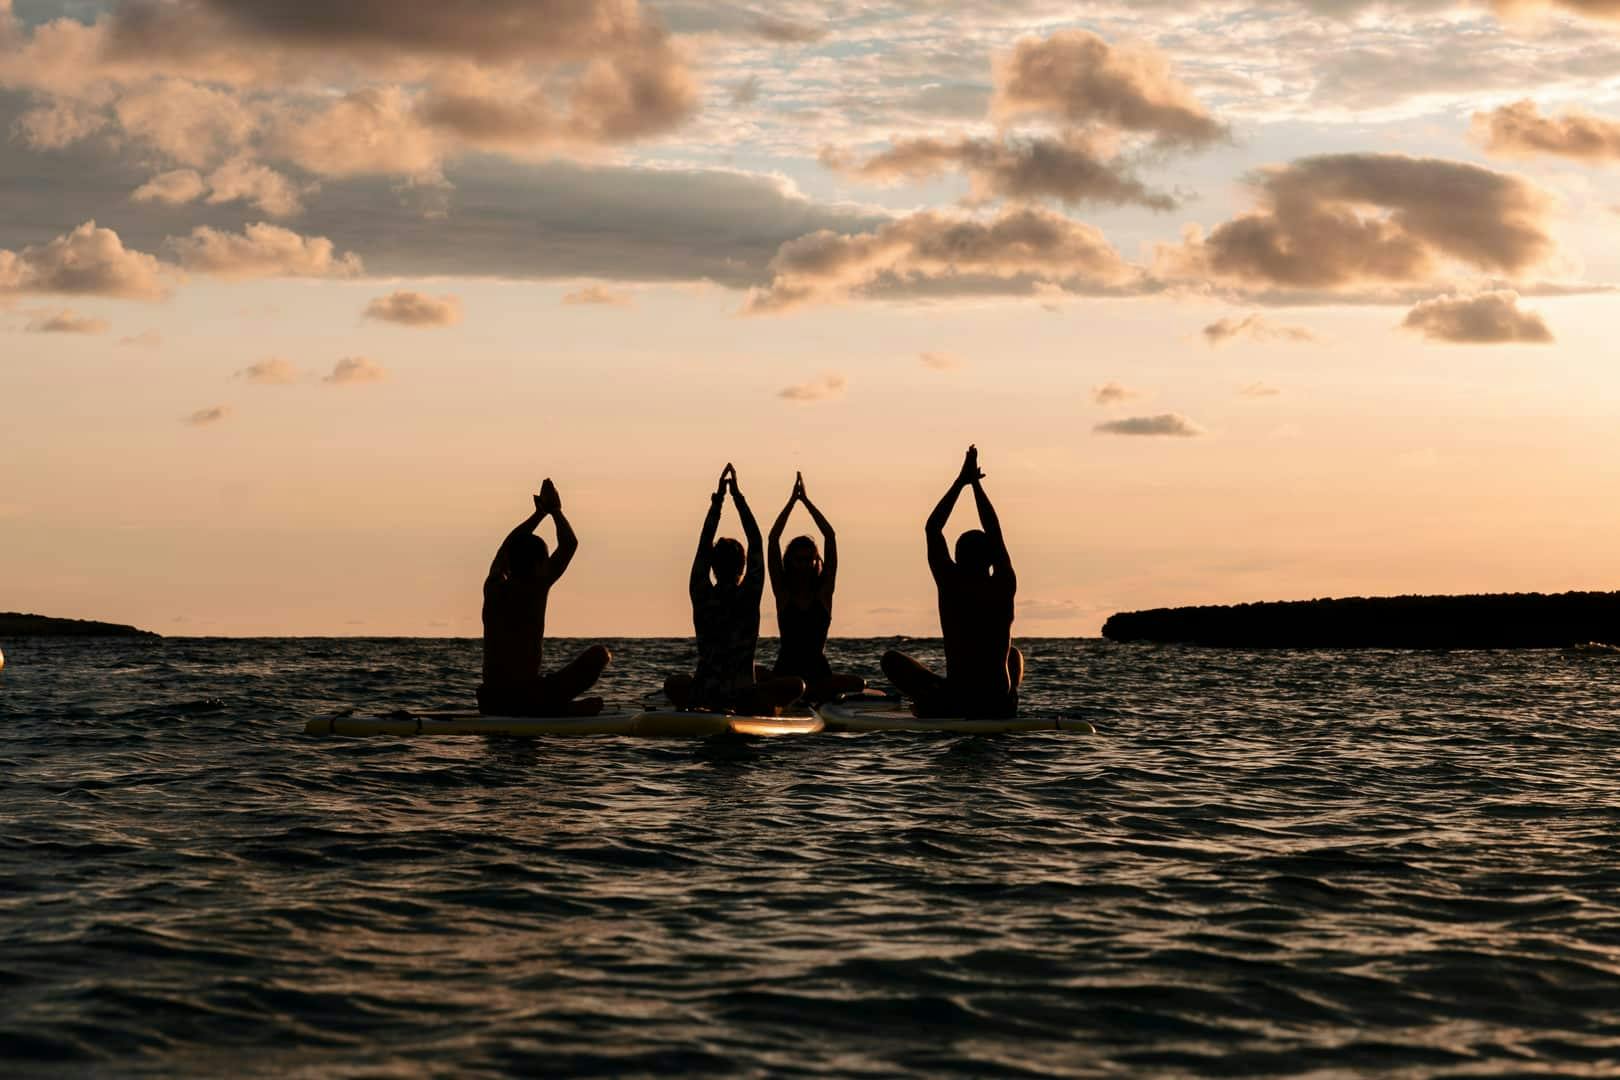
(13, 624)
(1501, 621)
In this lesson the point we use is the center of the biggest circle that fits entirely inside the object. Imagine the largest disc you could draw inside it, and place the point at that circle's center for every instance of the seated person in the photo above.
(982, 667)
(725, 617)
(515, 593)
(803, 586)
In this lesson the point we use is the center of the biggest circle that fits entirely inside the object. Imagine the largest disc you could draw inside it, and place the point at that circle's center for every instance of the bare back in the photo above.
(976, 617)
(514, 627)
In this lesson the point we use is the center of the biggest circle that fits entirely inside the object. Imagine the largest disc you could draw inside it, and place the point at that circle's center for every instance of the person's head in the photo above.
(973, 553)
(801, 559)
(726, 559)
(530, 556)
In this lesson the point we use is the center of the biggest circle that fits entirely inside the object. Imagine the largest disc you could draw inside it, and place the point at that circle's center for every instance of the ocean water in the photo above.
(1317, 864)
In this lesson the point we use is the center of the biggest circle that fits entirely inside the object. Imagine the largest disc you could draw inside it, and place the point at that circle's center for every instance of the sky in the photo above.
(300, 300)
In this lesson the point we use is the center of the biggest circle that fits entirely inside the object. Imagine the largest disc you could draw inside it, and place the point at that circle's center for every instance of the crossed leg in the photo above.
(559, 690)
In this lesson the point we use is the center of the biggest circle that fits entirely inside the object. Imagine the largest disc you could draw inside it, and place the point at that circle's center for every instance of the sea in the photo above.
(1265, 864)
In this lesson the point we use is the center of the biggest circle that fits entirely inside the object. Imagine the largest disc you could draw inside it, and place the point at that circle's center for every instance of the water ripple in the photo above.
(1267, 865)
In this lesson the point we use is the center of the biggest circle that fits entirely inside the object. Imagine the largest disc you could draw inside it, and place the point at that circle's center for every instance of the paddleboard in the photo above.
(642, 723)
(892, 715)
(666, 722)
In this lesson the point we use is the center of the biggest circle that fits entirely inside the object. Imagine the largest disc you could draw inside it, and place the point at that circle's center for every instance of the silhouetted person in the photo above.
(515, 593)
(982, 668)
(803, 587)
(725, 616)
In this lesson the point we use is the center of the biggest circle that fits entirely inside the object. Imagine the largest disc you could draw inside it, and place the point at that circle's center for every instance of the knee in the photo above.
(598, 656)
(891, 658)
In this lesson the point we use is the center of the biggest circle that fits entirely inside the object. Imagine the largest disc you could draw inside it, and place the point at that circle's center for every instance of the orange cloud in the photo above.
(88, 261)
(1492, 318)
(1070, 169)
(1078, 78)
(415, 309)
(261, 250)
(928, 248)
(354, 370)
(1520, 130)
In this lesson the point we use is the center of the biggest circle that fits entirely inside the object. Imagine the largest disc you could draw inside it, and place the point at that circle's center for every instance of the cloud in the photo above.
(173, 188)
(746, 92)
(270, 372)
(67, 322)
(205, 417)
(598, 295)
(939, 361)
(786, 31)
(239, 180)
(1070, 169)
(927, 249)
(375, 31)
(146, 339)
(1520, 130)
(1258, 390)
(88, 261)
(244, 180)
(1492, 318)
(1112, 393)
(415, 309)
(185, 121)
(345, 89)
(1170, 424)
(821, 388)
(1257, 328)
(261, 250)
(1078, 78)
(543, 220)
(1346, 220)
(353, 370)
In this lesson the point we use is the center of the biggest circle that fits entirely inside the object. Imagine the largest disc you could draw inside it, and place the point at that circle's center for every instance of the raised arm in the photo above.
(992, 529)
(755, 572)
(567, 542)
(939, 555)
(829, 548)
(501, 565)
(774, 562)
(700, 562)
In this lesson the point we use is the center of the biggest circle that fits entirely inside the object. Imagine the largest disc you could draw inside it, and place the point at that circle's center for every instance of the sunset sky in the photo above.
(301, 299)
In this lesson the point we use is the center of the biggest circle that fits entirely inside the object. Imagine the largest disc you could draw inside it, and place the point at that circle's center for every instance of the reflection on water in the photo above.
(1266, 865)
